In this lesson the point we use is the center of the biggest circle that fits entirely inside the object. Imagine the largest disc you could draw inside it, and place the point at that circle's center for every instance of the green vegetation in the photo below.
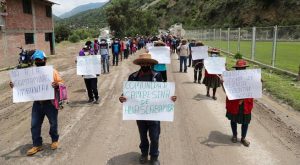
(74, 38)
(287, 55)
(125, 19)
(282, 87)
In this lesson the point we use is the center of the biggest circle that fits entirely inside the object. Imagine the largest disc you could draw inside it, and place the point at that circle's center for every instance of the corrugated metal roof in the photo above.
(50, 2)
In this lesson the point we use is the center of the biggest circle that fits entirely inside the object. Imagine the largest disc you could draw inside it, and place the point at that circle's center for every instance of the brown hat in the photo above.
(159, 43)
(145, 58)
(199, 43)
(240, 64)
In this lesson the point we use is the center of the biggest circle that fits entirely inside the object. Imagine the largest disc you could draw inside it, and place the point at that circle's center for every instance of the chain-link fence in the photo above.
(277, 46)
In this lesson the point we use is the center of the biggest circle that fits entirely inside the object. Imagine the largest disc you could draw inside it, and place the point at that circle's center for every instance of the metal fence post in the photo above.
(239, 41)
(220, 38)
(228, 40)
(274, 46)
(253, 43)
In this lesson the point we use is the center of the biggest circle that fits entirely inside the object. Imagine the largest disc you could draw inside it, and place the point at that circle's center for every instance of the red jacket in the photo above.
(232, 106)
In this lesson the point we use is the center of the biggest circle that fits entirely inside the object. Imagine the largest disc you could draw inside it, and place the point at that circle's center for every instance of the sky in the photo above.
(67, 5)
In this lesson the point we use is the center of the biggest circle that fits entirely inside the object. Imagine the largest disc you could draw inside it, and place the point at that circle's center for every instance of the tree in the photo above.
(61, 33)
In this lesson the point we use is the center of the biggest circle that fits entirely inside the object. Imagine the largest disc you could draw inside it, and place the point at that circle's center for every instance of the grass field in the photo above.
(287, 54)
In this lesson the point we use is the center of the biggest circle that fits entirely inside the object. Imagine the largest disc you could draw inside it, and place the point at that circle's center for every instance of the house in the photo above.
(25, 23)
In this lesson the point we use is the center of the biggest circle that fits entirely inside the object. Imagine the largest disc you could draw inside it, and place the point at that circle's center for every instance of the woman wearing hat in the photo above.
(153, 127)
(161, 68)
(198, 66)
(212, 80)
(239, 111)
(184, 53)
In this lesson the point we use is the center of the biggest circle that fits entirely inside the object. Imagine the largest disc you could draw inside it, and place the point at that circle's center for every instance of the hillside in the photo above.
(202, 13)
(82, 8)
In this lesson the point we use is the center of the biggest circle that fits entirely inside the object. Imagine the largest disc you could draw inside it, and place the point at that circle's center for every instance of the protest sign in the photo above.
(149, 45)
(199, 52)
(148, 101)
(161, 54)
(240, 84)
(88, 65)
(215, 65)
(32, 84)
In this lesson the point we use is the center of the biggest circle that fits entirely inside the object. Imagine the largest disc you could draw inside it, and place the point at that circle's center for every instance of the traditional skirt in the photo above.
(212, 81)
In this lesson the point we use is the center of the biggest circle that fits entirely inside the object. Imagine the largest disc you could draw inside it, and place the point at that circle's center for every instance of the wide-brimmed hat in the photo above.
(145, 58)
(241, 64)
(159, 43)
(199, 43)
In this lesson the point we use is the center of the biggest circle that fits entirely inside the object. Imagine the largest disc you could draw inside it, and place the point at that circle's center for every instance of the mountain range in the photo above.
(201, 13)
(82, 8)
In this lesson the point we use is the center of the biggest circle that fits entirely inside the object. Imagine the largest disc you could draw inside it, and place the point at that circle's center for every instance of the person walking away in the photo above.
(40, 109)
(212, 80)
(198, 66)
(153, 127)
(161, 68)
(91, 83)
(104, 52)
(184, 53)
(96, 46)
(239, 111)
(126, 48)
(192, 44)
(116, 49)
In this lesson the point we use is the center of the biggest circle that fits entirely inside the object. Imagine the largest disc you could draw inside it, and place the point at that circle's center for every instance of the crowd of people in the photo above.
(238, 111)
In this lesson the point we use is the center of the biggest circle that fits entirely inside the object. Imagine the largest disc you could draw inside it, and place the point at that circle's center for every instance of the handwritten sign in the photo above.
(32, 84)
(88, 65)
(149, 45)
(148, 101)
(215, 65)
(161, 54)
(240, 84)
(199, 52)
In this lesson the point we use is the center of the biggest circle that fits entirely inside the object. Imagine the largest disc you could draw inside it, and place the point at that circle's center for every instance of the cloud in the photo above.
(67, 5)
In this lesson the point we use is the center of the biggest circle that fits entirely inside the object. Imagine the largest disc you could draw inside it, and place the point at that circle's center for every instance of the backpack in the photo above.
(60, 96)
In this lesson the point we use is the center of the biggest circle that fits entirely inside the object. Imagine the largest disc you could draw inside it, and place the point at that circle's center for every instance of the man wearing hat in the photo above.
(239, 111)
(153, 127)
(40, 109)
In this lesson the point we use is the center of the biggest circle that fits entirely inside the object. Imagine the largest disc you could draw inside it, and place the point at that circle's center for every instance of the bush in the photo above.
(62, 33)
(74, 38)
(238, 56)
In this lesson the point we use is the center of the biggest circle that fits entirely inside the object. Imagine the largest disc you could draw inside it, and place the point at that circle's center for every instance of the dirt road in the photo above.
(95, 134)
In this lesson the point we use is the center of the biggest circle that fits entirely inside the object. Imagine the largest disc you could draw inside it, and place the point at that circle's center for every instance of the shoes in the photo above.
(214, 97)
(54, 145)
(91, 100)
(207, 95)
(199, 82)
(154, 161)
(143, 159)
(234, 139)
(194, 81)
(34, 150)
(97, 101)
(245, 142)
(185, 71)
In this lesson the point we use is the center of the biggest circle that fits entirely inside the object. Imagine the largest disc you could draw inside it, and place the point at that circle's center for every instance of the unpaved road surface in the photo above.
(96, 135)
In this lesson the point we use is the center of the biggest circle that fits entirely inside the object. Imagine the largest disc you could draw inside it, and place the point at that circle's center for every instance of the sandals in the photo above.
(214, 97)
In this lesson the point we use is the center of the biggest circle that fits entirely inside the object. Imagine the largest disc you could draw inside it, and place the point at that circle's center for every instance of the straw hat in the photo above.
(241, 64)
(145, 58)
(159, 43)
